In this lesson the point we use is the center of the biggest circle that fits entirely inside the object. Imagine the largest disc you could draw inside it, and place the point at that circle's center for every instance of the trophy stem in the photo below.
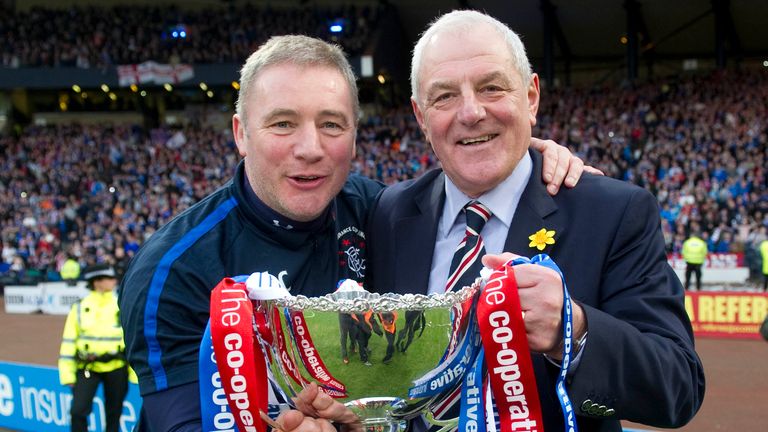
(375, 414)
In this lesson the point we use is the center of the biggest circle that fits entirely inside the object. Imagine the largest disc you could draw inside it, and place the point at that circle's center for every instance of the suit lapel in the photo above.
(415, 234)
(415, 238)
(532, 214)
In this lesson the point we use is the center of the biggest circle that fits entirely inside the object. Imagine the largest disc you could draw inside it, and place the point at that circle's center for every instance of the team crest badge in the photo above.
(352, 251)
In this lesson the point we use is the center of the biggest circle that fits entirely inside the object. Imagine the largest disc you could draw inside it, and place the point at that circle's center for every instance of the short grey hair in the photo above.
(464, 21)
(297, 50)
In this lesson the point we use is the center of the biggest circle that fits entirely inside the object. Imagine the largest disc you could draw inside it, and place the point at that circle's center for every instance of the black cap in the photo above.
(99, 271)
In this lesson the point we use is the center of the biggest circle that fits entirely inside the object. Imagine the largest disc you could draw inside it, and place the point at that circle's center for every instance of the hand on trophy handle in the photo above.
(541, 299)
(315, 411)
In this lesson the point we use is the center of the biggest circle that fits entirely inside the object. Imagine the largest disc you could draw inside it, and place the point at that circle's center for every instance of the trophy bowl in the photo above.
(388, 357)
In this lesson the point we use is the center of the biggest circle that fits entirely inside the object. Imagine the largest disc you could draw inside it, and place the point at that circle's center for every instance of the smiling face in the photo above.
(474, 108)
(298, 139)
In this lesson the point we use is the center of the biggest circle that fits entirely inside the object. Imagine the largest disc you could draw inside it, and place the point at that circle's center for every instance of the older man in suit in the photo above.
(476, 100)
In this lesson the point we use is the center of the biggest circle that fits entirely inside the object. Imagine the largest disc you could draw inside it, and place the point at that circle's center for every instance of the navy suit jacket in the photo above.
(639, 361)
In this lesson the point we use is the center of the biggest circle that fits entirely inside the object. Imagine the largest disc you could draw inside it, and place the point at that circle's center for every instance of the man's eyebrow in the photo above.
(484, 79)
(279, 112)
(338, 115)
(493, 76)
(438, 86)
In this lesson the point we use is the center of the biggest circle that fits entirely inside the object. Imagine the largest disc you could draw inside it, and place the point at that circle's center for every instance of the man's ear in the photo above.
(533, 98)
(419, 117)
(238, 127)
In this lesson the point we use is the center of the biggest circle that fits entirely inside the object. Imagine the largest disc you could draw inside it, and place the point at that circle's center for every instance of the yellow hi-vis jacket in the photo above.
(93, 338)
(694, 250)
(70, 270)
(764, 253)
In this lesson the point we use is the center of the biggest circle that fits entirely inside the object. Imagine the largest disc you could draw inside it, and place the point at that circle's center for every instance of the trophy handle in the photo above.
(445, 425)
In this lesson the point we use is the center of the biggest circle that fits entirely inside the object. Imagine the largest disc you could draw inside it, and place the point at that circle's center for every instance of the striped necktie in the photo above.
(465, 268)
(466, 265)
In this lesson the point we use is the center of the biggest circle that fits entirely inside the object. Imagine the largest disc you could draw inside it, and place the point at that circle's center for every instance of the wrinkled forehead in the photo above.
(288, 84)
(292, 69)
(454, 44)
(452, 49)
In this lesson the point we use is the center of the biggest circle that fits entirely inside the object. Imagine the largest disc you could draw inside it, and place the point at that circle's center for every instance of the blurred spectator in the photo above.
(70, 271)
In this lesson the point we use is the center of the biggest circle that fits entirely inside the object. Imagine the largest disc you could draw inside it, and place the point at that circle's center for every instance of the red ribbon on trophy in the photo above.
(239, 360)
(311, 357)
(289, 366)
(507, 356)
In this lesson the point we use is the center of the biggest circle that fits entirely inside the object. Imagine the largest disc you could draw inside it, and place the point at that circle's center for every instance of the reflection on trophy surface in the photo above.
(388, 357)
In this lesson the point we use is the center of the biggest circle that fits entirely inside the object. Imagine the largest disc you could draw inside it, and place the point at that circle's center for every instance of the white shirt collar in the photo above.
(501, 200)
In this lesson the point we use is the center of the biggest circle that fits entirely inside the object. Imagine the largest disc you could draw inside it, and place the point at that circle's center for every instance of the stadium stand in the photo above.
(89, 37)
(96, 190)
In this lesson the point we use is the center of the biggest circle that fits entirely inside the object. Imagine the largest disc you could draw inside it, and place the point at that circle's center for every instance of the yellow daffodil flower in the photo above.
(541, 238)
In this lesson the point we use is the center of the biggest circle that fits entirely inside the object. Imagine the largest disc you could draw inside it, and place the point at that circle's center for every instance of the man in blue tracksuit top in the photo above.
(290, 210)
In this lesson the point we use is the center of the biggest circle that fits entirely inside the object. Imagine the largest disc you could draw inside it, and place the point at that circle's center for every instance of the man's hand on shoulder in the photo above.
(560, 166)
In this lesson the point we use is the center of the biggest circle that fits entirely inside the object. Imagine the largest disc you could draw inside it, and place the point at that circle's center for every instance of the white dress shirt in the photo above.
(501, 200)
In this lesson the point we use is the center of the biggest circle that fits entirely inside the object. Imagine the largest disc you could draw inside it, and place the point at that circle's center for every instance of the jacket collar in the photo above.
(420, 225)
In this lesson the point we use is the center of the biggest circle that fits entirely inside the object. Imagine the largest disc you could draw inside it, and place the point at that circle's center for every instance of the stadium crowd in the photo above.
(87, 37)
(699, 143)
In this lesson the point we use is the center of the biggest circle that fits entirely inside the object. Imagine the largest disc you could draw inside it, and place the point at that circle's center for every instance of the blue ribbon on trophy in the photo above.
(473, 397)
(451, 370)
(565, 401)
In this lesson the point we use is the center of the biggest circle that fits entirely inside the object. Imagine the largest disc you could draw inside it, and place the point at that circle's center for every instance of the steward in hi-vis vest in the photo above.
(694, 254)
(93, 351)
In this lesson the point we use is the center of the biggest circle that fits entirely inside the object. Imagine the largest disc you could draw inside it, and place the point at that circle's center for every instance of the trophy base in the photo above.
(375, 414)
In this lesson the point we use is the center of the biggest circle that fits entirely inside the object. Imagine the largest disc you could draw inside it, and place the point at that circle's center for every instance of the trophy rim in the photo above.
(367, 301)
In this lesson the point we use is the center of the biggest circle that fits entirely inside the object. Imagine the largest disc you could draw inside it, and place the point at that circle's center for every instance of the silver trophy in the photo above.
(388, 357)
